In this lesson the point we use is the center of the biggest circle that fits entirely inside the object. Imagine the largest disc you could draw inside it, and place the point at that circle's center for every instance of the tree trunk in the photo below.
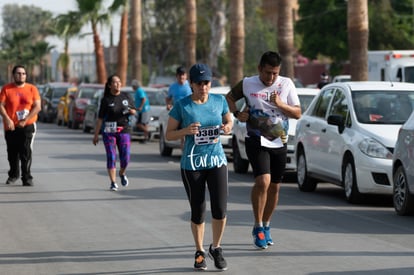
(358, 39)
(100, 57)
(191, 32)
(285, 37)
(122, 65)
(236, 41)
(218, 32)
(136, 40)
(65, 62)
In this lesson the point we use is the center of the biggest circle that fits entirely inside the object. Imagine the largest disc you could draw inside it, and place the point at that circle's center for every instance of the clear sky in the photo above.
(76, 45)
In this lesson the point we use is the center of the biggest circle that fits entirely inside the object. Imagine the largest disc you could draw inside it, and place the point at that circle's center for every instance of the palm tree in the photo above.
(16, 50)
(236, 41)
(38, 51)
(92, 12)
(122, 61)
(67, 26)
(136, 40)
(285, 37)
(191, 32)
(357, 16)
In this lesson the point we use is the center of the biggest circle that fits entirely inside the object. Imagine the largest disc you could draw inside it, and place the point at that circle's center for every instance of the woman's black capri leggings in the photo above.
(195, 186)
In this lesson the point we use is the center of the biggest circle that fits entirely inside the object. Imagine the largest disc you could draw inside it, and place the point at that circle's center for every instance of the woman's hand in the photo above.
(192, 129)
(95, 140)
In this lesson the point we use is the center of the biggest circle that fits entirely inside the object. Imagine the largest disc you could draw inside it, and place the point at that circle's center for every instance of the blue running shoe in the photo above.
(114, 186)
(268, 237)
(259, 238)
(124, 180)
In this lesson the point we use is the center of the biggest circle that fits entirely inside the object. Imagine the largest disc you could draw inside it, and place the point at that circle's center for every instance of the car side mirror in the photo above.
(337, 120)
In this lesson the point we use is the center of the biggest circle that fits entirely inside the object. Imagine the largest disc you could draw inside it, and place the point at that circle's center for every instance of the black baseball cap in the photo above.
(200, 72)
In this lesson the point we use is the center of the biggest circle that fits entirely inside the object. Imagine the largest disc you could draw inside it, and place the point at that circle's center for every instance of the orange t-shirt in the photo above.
(19, 101)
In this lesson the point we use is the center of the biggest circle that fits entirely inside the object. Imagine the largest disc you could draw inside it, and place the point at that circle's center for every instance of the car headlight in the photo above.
(373, 148)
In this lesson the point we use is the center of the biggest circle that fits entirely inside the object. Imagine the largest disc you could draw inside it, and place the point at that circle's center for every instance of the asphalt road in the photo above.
(70, 223)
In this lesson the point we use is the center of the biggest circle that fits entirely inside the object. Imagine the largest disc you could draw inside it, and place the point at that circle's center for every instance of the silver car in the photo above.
(347, 136)
(403, 169)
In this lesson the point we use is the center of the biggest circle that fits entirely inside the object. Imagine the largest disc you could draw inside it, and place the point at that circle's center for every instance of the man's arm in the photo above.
(8, 122)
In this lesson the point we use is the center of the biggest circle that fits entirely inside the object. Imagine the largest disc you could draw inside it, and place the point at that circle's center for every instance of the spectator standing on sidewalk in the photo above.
(271, 100)
(114, 112)
(19, 106)
(201, 117)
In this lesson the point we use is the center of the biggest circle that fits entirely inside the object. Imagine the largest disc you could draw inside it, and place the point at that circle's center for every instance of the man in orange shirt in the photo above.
(19, 106)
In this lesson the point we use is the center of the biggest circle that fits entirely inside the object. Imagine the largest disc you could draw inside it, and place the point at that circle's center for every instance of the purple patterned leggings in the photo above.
(122, 141)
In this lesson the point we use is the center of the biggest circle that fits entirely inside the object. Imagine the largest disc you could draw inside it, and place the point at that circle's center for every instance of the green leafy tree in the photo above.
(67, 26)
(322, 24)
(23, 27)
(385, 17)
(261, 36)
(163, 35)
(37, 59)
(31, 19)
(323, 32)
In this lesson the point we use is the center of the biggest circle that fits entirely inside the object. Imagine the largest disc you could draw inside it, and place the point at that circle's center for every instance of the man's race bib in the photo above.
(22, 114)
(207, 135)
(110, 127)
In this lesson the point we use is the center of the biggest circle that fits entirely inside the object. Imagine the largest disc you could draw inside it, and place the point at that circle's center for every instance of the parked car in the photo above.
(342, 78)
(347, 136)
(79, 101)
(41, 89)
(240, 160)
(92, 109)
(91, 112)
(50, 100)
(403, 169)
(166, 147)
(156, 97)
(63, 106)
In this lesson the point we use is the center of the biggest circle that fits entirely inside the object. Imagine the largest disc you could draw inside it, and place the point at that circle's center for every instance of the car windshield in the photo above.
(305, 100)
(87, 93)
(156, 98)
(59, 92)
(383, 107)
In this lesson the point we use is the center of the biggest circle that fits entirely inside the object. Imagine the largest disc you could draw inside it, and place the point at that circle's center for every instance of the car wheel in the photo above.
(349, 181)
(240, 165)
(305, 183)
(402, 198)
(165, 151)
(75, 125)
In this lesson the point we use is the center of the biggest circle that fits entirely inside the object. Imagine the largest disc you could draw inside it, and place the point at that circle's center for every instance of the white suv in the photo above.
(240, 161)
(347, 136)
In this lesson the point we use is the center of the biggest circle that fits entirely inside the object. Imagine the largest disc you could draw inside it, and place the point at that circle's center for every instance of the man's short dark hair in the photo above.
(17, 67)
(180, 70)
(270, 58)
